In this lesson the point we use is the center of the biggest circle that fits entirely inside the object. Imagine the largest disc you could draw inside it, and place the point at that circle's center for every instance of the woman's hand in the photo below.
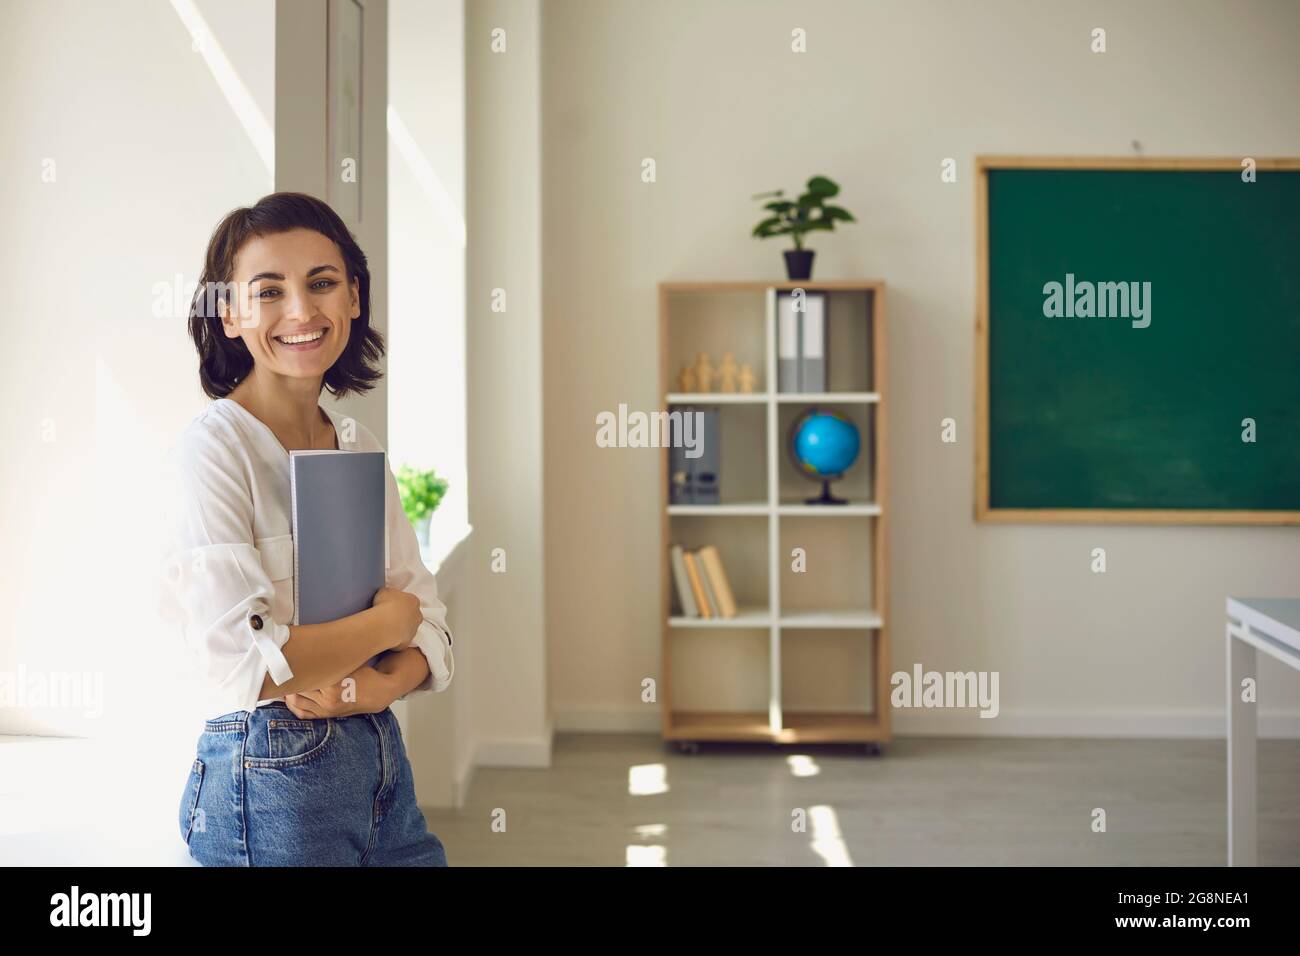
(364, 691)
(403, 611)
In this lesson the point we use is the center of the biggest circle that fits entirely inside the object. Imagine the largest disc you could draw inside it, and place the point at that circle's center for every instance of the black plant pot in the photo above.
(798, 264)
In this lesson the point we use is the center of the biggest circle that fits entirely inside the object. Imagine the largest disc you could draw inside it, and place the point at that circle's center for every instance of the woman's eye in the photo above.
(268, 293)
(324, 284)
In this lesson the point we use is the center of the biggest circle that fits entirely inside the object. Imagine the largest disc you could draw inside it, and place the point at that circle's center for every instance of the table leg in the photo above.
(1242, 840)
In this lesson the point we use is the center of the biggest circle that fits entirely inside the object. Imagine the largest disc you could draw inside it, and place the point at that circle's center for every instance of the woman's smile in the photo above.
(302, 341)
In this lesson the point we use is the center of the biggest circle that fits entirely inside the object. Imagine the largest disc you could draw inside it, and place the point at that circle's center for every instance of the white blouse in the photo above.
(229, 554)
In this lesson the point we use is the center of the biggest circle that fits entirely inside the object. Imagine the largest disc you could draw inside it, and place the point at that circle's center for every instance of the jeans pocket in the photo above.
(292, 742)
(191, 815)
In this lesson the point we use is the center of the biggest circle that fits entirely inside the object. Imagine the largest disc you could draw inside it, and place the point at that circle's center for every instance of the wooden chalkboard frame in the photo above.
(1154, 516)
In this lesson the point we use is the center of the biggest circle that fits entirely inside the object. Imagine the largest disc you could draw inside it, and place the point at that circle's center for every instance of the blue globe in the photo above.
(824, 444)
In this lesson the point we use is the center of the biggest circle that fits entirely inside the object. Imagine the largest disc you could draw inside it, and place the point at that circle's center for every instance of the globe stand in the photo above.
(826, 497)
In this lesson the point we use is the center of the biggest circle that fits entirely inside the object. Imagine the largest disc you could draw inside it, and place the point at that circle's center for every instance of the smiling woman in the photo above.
(301, 761)
(286, 266)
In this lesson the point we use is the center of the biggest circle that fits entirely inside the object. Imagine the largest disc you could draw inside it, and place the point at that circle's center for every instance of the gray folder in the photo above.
(812, 343)
(338, 532)
(787, 344)
(801, 343)
(681, 470)
(704, 470)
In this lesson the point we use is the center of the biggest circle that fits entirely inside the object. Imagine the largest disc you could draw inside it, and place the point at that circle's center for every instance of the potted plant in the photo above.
(421, 493)
(808, 213)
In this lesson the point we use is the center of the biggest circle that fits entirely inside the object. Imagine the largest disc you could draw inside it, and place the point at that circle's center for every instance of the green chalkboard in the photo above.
(1140, 415)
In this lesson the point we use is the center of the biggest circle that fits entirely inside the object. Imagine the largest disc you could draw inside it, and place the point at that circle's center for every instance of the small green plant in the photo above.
(808, 213)
(421, 492)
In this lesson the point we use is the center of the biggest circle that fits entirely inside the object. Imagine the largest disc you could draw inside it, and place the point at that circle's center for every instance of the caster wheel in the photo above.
(872, 750)
(688, 747)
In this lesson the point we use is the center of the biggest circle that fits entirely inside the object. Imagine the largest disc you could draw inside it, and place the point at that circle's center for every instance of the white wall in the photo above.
(147, 156)
(885, 92)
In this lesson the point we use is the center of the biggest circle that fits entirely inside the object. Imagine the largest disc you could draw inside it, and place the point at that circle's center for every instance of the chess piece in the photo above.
(704, 372)
(727, 373)
(746, 378)
(687, 379)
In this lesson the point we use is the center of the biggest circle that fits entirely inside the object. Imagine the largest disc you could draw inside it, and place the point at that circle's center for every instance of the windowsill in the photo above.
(447, 547)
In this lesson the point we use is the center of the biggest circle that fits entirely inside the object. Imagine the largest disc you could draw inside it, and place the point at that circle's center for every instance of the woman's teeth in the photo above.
(298, 339)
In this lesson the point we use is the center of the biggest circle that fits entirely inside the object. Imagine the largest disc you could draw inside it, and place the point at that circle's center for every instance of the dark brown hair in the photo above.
(223, 361)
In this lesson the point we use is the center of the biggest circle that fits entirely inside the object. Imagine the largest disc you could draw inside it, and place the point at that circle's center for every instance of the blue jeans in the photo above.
(269, 789)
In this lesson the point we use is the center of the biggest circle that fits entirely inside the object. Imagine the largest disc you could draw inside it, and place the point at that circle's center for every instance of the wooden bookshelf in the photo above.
(712, 697)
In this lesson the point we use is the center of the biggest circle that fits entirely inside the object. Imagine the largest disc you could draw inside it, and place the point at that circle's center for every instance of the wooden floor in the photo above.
(615, 800)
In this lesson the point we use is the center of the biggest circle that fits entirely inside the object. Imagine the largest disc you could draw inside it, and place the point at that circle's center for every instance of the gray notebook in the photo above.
(338, 532)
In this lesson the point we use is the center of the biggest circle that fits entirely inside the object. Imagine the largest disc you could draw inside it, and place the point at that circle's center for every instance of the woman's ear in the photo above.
(356, 298)
(229, 323)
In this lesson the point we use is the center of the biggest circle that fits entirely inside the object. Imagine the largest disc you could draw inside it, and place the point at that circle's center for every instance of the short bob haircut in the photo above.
(223, 361)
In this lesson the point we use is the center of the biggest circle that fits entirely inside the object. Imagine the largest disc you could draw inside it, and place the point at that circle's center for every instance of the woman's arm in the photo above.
(367, 690)
(320, 655)
(406, 668)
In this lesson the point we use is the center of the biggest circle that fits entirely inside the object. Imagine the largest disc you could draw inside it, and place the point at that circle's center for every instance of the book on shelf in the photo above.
(718, 583)
(703, 589)
(685, 597)
(697, 585)
(708, 586)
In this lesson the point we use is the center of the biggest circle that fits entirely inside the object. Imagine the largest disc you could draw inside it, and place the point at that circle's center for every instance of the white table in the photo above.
(1271, 625)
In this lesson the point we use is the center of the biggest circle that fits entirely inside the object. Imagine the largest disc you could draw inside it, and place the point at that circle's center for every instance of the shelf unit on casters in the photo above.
(740, 317)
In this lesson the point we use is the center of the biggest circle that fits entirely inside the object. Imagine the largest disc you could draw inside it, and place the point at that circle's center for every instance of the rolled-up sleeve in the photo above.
(408, 572)
(213, 582)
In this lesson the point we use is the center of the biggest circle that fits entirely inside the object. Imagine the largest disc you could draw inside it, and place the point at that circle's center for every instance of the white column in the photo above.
(510, 706)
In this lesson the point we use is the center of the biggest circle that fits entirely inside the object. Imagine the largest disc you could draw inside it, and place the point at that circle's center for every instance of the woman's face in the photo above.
(293, 303)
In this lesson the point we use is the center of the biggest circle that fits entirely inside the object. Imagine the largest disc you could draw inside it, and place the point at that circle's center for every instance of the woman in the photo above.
(305, 763)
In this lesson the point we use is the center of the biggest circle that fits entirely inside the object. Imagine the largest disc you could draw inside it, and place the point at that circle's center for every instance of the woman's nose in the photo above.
(296, 305)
